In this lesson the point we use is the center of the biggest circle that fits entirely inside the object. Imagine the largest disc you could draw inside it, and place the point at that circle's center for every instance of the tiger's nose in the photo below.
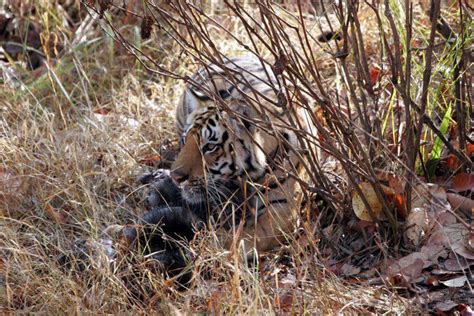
(178, 176)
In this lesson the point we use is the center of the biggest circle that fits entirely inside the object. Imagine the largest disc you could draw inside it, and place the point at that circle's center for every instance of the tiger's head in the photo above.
(218, 148)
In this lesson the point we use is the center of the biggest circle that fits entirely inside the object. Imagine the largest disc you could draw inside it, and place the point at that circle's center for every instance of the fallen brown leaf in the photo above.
(452, 162)
(410, 266)
(470, 149)
(460, 202)
(445, 218)
(428, 194)
(417, 225)
(348, 269)
(457, 263)
(461, 249)
(448, 236)
(394, 182)
(433, 252)
(374, 75)
(433, 296)
(456, 282)
(463, 182)
(445, 306)
(375, 206)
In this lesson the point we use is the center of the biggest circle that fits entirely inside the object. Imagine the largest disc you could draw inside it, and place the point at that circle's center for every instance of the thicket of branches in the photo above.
(387, 109)
(87, 89)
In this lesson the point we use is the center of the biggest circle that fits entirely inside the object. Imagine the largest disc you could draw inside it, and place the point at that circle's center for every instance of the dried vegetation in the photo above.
(87, 96)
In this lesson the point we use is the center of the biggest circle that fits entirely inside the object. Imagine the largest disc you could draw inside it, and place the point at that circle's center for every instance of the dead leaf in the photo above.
(445, 306)
(417, 225)
(456, 263)
(456, 282)
(460, 202)
(395, 192)
(410, 266)
(452, 162)
(359, 207)
(428, 194)
(469, 149)
(433, 252)
(437, 238)
(362, 226)
(456, 232)
(348, 269)
(396, 183)
(445, 218)
(280, 65)
(400, 203)
(461, 249)
(437, 192)
(463, 182)
(374, 75)
(452, 236)
(433, 296)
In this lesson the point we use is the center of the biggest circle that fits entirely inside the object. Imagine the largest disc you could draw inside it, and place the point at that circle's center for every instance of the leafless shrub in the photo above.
(75, 133)
(350, 118)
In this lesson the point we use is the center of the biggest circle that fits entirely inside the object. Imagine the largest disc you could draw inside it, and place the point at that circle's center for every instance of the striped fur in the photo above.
(238, 77)
(221, 144)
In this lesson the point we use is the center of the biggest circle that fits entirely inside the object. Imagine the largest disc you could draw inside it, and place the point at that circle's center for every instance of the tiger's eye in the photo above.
(208, 148)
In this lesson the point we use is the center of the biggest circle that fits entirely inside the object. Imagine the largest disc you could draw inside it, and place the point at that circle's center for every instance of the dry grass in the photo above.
(74, 137)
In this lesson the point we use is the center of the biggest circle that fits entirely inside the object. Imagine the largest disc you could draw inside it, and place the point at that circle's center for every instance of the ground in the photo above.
(82, 118)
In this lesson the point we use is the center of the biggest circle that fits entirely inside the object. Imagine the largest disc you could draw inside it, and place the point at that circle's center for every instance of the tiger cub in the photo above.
(233, 130)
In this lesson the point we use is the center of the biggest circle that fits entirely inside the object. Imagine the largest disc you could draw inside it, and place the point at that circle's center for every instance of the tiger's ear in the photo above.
(242, 114)
(242, 108)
